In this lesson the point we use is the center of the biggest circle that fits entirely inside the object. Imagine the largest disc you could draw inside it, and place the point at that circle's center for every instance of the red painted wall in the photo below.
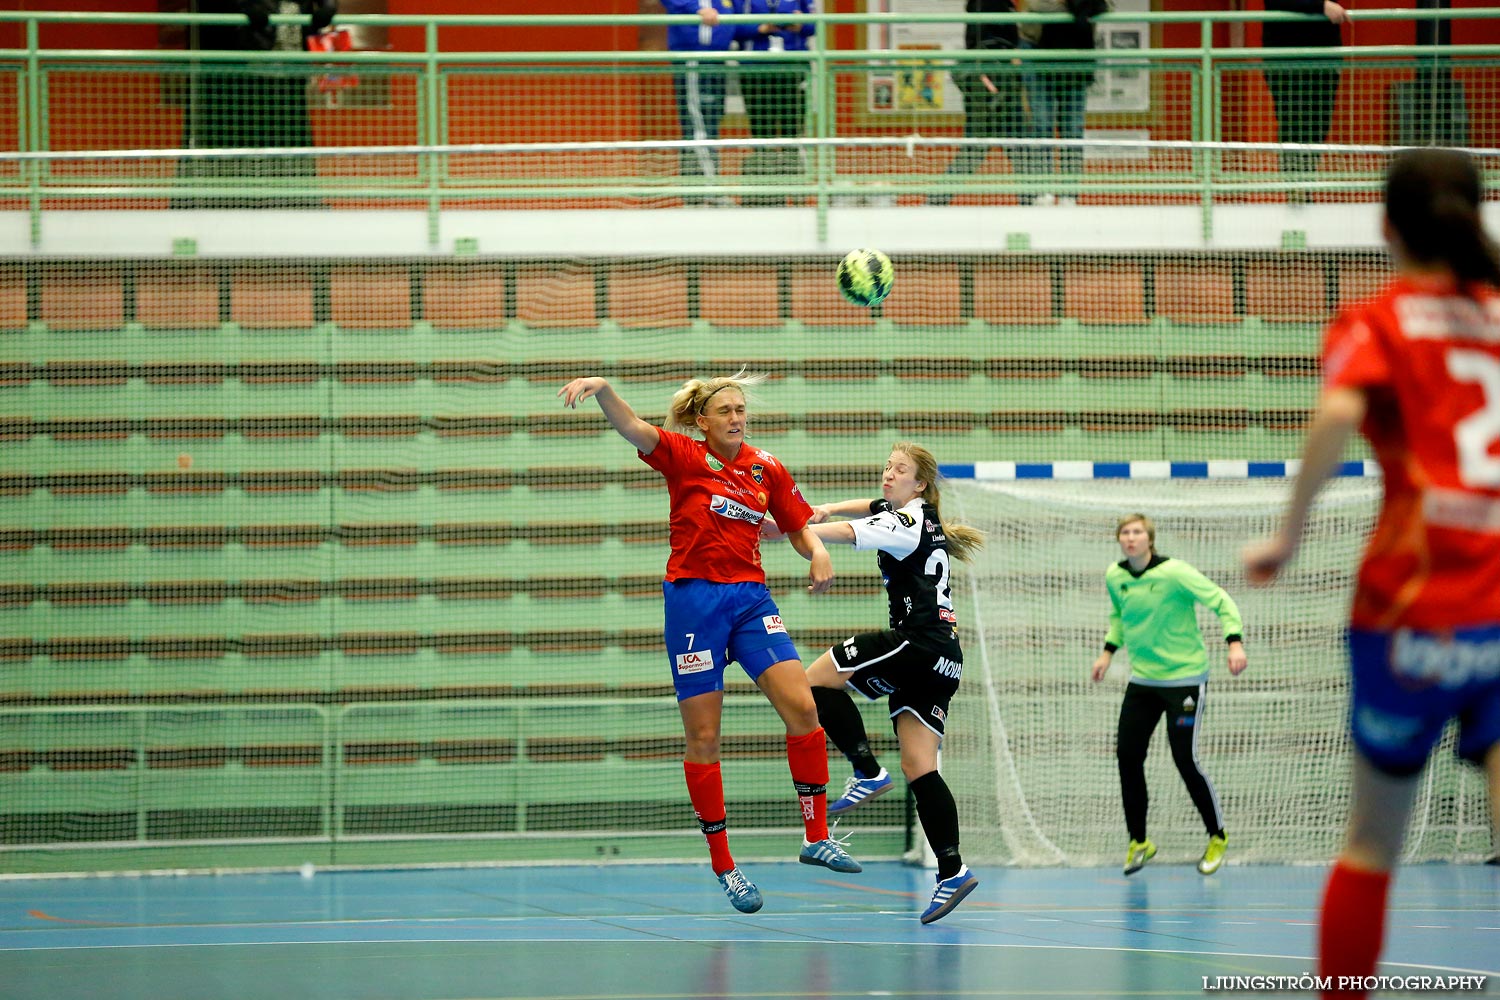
(569, 103)
(565, 38)
(558, 105)
(83, 36)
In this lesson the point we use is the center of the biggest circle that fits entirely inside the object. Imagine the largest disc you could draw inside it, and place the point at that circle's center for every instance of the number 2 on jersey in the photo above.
(1477, 433)
(938, 563)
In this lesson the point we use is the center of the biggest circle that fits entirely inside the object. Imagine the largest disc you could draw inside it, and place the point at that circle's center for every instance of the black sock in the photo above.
(938, 814)
(845, 728)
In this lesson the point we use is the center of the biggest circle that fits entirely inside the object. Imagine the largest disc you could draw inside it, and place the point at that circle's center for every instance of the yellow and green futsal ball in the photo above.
(865, 277)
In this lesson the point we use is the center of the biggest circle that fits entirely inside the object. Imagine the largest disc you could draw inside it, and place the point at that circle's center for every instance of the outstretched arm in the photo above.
(618, 412)
(846, 508)
(1340, 412)
(810, 547)
(834, 533)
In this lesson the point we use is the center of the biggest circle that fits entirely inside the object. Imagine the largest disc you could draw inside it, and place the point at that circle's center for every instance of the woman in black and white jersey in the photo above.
(916, 662)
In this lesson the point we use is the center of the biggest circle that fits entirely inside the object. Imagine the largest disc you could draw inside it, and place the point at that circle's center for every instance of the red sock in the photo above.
(706, 789)
(1352, 925)
(808, 759)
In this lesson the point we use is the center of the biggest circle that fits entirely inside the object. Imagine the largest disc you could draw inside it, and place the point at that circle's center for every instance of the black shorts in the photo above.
(917, 678)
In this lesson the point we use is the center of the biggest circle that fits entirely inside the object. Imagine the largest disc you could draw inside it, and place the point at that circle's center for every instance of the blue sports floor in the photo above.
(651, 931)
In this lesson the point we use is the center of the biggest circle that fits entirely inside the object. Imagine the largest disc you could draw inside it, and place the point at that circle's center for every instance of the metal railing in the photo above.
(437, 99)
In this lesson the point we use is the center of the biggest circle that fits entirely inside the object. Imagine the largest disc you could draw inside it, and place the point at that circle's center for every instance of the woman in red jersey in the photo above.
(718, 608)
(1417, 371)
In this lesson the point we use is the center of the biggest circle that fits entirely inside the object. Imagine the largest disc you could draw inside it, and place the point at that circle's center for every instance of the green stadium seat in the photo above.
(368, 296)
(649, 296)
(470, 296)
(1112, 292)
(1013, 293)
(1283, 291)
(177, 298)
(1195, 292)
(267, 299)
(734, 297)
(83, 297)
(561, 296)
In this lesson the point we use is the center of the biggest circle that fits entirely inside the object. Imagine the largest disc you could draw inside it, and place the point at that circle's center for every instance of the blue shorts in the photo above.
(1408, 684)
(709, 624)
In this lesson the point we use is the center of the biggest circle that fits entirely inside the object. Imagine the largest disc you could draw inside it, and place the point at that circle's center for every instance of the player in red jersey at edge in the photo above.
(1417, 371)
(718, 608)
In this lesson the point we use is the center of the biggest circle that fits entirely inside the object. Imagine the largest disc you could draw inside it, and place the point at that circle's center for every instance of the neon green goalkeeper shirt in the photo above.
(1152, 616)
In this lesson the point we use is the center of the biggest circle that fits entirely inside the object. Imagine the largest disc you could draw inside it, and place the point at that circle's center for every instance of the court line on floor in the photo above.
(1119, 949)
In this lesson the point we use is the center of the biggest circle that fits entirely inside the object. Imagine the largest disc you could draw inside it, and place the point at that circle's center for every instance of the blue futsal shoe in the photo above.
(830, 854)
(949, 893)
(859, 790)
(742, 893)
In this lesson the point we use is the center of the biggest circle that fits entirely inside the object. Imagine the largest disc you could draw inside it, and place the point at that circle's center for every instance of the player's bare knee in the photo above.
(702, 744)
(917, 761)
(801, 720)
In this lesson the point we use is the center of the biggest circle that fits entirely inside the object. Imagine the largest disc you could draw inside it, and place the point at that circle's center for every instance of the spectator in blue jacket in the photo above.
(775, 92)
(700, 86)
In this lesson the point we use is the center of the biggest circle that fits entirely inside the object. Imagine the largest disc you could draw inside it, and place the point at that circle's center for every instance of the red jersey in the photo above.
(717, 507)
(1428, 359)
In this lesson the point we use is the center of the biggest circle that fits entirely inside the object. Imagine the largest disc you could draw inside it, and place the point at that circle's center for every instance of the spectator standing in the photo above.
(775, 93)
(253, 105)
(991, 89)
(700, 86)
(1302, 95)
(1056, 91)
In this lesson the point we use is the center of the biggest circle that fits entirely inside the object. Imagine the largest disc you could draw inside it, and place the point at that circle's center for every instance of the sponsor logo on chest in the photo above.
(725, 507)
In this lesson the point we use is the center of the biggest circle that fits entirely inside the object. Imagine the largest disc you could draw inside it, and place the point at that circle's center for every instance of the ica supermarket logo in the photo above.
(695, 662)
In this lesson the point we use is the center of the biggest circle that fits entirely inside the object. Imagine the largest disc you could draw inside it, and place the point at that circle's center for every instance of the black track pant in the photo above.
(1304, 99)
(1141, 710)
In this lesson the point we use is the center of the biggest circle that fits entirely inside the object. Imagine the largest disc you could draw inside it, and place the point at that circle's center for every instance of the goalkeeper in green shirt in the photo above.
(1152, 615)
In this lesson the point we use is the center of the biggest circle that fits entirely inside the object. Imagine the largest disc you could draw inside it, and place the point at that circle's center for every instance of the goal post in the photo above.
(1031, 748)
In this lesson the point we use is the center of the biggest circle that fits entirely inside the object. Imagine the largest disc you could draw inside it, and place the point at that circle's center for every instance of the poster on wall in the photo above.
(923, 85)
(1123, 86)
